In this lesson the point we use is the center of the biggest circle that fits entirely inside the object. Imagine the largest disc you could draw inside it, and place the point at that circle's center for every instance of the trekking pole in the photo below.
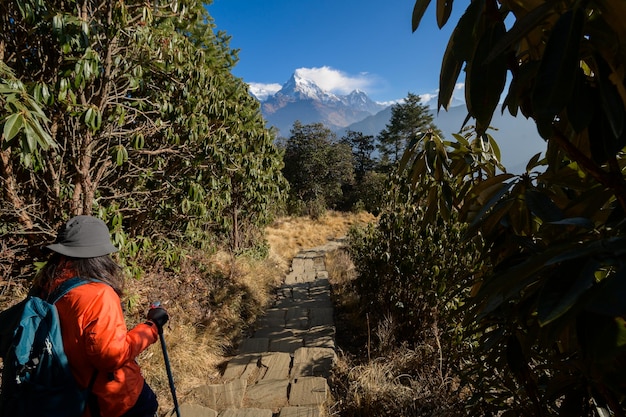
(168, 367)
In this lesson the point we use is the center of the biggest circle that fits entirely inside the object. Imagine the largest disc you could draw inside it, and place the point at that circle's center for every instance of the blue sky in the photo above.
(341, 44)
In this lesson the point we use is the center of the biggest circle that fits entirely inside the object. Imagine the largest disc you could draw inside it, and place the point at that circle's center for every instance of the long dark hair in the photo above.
(102, 268)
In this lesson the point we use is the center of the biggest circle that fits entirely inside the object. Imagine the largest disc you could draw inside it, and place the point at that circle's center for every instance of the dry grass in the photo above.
(374, 375)
(289, 235)
(400, 384)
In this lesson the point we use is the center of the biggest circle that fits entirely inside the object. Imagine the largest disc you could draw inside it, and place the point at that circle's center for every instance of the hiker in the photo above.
(101, 350)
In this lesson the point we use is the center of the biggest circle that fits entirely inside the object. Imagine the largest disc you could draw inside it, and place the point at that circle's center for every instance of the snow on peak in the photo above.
(263, 91)
(302, 88)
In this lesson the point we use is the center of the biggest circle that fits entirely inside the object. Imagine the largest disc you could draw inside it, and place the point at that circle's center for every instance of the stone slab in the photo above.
(320, 331)
(195, 410)
(297, 318)
(254, 345)
(220, 396)
(321, 282)
(240, 367)
(321, 316)
(308, 276)
(308, 391)
(320, 300)
(245, 412)
(312, 361)
(267, 393)
(299, 412)
(287, 344)
(320, 336)
(320, 342)
(300, 293)
(322, 274)
(275, 365)
(273, 332)
(274, 317)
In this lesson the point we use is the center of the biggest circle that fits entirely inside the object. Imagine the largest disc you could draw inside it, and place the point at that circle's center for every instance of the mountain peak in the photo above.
(300, 98)
(302, 88)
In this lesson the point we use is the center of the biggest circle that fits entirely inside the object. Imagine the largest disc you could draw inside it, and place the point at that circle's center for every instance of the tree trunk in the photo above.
(10, 189)
(235, 231)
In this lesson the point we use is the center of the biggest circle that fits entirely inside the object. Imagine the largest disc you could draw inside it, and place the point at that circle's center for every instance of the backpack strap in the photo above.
(65, 287)
(53, 297)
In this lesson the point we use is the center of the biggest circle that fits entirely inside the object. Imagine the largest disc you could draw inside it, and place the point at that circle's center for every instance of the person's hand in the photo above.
(158, 316)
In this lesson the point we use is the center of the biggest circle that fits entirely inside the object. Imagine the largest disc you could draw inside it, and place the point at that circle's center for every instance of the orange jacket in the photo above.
(95, 337)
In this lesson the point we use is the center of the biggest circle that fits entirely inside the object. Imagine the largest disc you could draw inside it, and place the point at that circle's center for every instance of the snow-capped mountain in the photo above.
(302, 99)
(300, 88)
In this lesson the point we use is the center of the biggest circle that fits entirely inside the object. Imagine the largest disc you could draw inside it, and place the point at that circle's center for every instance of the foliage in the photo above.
(365, 193)
(401, 383)
(368, 194)
(316, 166)
(409, 120)
(129, 111)
(362, 148)
(413, 270)
(551, 314)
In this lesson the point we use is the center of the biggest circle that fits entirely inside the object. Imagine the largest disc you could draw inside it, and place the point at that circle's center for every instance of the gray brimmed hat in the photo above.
(83, 237)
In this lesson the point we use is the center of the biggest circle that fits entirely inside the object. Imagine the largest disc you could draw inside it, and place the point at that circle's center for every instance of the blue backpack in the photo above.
(36, 378)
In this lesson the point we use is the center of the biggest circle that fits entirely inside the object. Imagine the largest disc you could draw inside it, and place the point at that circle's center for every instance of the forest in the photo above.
(506, 292)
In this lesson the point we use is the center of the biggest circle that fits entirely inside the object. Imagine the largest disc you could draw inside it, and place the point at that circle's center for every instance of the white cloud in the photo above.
(262, 91)
(390, 102)
(336, 81)
(457, 99)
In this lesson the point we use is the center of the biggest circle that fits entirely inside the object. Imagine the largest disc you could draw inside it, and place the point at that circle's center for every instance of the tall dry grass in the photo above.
(374, 375)
(289, 235)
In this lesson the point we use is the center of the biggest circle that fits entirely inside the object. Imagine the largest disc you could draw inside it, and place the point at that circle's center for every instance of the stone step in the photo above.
(245, 412)
(220, 396)
(299, 412)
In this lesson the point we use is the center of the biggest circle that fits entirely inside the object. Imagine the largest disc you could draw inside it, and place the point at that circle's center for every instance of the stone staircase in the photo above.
(281, 370)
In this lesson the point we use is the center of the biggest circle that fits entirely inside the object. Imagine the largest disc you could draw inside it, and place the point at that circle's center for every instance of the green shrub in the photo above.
(418, 272)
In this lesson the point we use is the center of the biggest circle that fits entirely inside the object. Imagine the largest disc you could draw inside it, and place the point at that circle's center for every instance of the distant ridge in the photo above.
(302, 99)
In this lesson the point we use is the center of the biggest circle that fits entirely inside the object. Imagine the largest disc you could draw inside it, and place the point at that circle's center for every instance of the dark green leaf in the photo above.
(485, 81)
(559, 65)
(459, 49)
(450, 70)
(521, 28)
(514, 355)
(559, 293)
(493, 182)
(603, 144)
(495, 148)
(581, 107)
(444, 8)
(12, 126)
(418, 12)
(575, 221)
(533, 162)
(613, 246)
(542, 206)
(508, 283)
(610, 297)
(502, 190)
(612, 104)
